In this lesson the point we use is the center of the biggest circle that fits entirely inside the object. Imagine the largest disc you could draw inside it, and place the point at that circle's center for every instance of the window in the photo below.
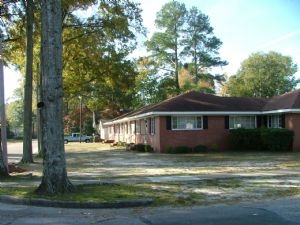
(138, 126)
(152, 125)
(187, 122)
(275, 121)
(242, 122)
(121, 131)
(143, 126)
(132, 127)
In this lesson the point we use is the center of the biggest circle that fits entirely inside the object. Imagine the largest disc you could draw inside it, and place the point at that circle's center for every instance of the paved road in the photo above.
(15, 150)
(277, 212)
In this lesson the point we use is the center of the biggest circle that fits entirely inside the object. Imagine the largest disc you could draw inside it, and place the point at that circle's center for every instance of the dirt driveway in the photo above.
(200, 178)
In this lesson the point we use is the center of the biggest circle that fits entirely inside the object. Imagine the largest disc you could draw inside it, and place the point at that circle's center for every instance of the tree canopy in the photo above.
(184, 44)
(96, 49)
(263, 75)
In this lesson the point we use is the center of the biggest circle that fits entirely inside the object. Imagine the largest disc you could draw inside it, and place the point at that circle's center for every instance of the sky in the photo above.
(244, 27)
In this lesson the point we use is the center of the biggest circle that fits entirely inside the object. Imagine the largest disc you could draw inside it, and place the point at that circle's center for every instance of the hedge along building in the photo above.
(195, 118)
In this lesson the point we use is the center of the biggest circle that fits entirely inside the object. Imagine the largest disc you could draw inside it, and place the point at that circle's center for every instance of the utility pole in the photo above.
(2, 110)
(80, 118)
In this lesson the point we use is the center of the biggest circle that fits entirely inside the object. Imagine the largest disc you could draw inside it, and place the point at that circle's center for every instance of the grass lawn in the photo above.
(112, 174)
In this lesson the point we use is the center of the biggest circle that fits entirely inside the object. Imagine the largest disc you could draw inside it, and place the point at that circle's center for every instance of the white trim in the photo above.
(281, 111)
(202, 113)
(151, 114)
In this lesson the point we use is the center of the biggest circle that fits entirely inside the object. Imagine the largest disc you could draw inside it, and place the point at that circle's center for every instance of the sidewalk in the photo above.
(275, 212)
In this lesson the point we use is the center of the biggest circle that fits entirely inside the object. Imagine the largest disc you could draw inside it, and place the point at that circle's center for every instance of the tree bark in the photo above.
(3, 135)
(54, 180)
(27, 134)
(38, 98)
(3, 167)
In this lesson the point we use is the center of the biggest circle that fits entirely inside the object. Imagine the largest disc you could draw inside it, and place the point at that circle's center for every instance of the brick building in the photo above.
(195, 118)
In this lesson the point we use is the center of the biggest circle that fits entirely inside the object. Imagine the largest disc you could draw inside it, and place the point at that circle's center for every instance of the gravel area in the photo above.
(217, 177)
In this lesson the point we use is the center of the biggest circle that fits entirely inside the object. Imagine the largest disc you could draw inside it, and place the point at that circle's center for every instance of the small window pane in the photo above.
(186, 122)
(242, 122)
(275, 121)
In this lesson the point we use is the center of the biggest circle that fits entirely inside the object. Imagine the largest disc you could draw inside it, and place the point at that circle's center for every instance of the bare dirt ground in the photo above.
(203, 178)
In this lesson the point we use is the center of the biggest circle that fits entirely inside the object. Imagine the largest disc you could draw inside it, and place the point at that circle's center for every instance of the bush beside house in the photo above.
(261, 139)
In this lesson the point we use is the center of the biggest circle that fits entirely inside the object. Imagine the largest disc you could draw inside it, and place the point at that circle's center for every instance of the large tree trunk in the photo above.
(55, 178)
(27, 134)
(3, 166)
(38, 98)
(3, 138)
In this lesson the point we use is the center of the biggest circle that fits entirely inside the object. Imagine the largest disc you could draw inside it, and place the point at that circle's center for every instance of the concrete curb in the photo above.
(75, 204)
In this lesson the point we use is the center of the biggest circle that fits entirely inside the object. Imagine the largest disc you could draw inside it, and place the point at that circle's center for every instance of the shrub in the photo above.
(200, 149)
(261, 138)
(245, 139)
(169, 150)
(180, 150)
(214, 148)
(277, 139)
(142, 148)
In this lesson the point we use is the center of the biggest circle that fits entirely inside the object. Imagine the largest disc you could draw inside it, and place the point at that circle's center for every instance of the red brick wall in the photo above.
(151, 139)
(216, 136)
(292, 121)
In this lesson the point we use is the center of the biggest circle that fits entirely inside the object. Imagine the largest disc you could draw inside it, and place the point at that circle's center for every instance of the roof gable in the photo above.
(289, 100)
(197, 101)
(192, 102)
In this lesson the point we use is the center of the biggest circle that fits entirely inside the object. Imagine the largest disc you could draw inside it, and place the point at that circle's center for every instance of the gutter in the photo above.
(207, 113)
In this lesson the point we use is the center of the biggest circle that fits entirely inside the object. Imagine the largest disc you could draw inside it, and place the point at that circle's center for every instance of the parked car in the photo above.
(75, 137)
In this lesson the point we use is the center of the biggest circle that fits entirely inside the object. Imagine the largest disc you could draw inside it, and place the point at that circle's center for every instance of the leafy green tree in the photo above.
(164, 46)
(27, 134)
(96, 64)
(150, 87)
(263, 75)
(202, 47)
(185, 44)
(95, 52)
(3, 131)
(14, 110)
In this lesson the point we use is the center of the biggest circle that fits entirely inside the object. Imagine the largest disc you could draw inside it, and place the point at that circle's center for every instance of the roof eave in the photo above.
(204, 113)
(275, 111)
(169, 113)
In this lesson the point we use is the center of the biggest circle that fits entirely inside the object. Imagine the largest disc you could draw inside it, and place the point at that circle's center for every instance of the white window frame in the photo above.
(138, 126)
(240, 121)
(186, 122)
(132, 127)
(152, 125)
(275, 121)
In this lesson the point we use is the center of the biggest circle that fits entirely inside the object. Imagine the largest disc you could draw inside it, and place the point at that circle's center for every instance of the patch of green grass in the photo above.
(113, 193)
(20, 178)
(179, 193)
(96, 161)
(19, 192)
(224, 183)
(282, 192)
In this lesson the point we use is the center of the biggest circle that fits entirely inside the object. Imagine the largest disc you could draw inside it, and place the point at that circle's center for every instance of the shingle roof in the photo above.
(199, 102)
(290, 100)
